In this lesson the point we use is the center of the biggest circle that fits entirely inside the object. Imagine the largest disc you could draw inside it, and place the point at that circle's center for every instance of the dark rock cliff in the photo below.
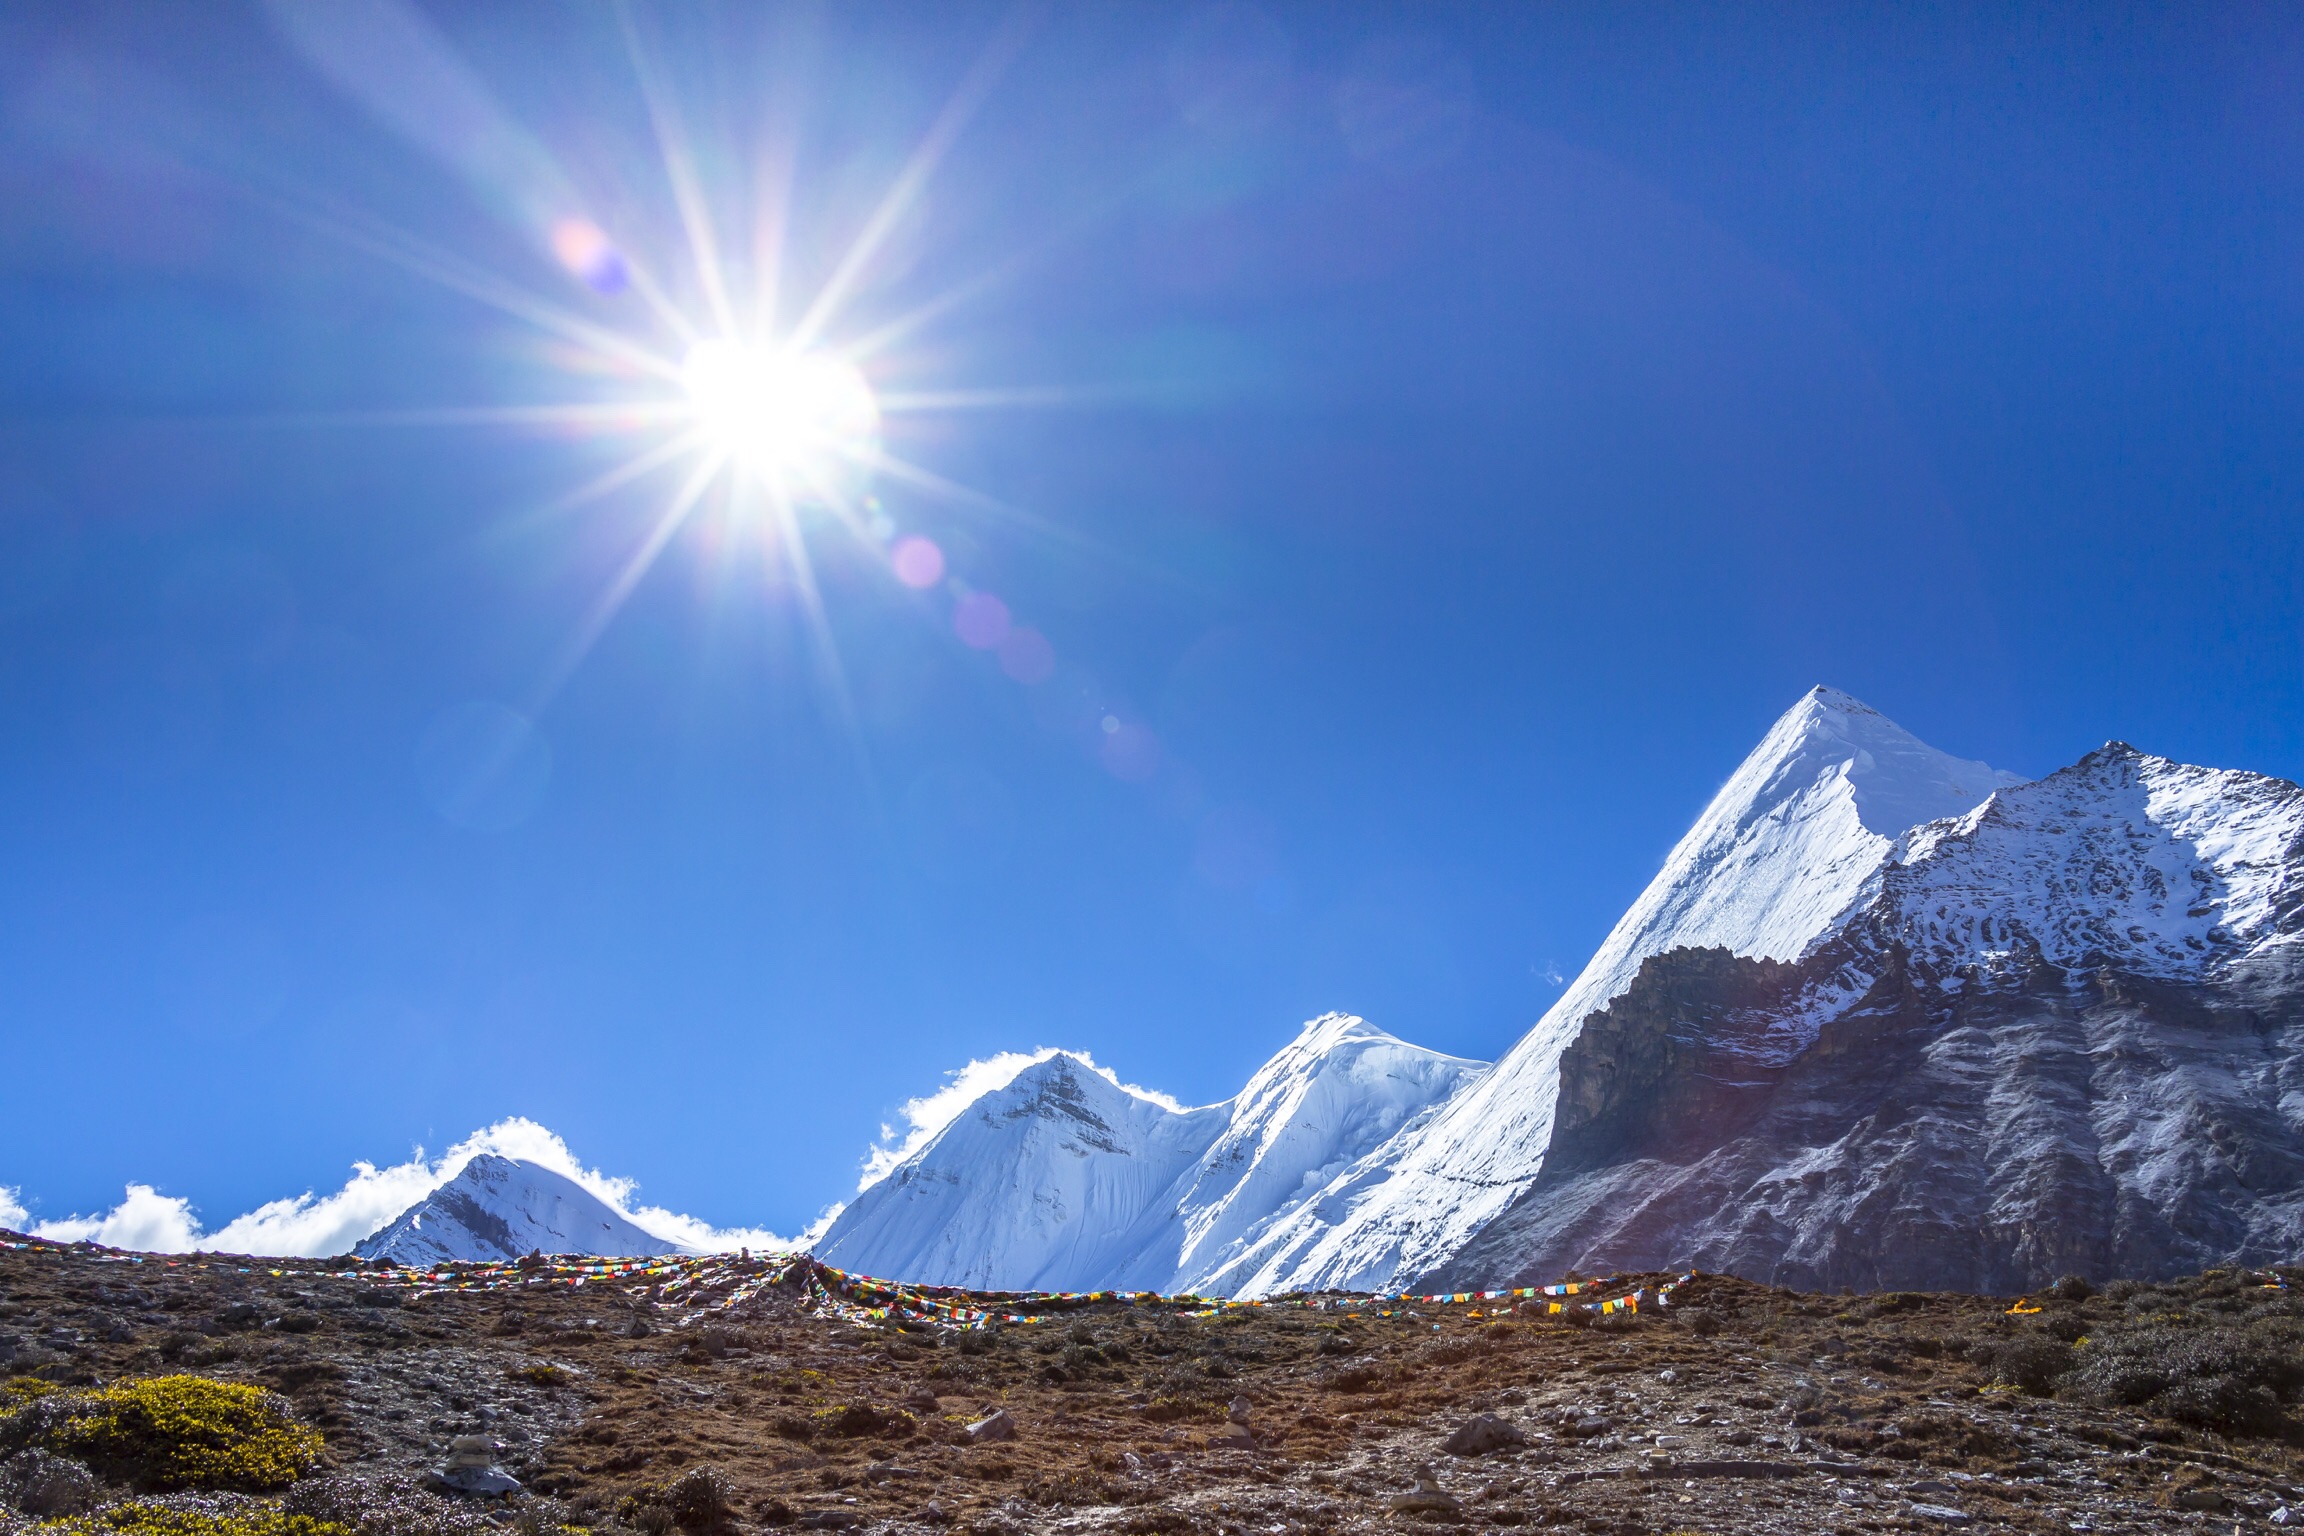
(1985, 1135)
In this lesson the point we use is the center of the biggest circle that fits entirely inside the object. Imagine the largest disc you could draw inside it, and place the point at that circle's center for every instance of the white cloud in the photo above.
(145, 1220)
(925, 1117)
(310, 1225)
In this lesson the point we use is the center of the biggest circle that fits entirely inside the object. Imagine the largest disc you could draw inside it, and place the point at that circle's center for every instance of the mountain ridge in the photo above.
(1063, 1180)
(1830, 1045)
(498, 1208)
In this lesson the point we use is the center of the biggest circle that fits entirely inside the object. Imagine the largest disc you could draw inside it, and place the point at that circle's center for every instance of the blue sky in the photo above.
(1430, 443)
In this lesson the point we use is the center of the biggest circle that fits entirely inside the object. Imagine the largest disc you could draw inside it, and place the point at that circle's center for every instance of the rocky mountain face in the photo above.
(1787, 848)
(500, 1208)
(1885, 1018)
(2061, 1033)
(1064, 1180)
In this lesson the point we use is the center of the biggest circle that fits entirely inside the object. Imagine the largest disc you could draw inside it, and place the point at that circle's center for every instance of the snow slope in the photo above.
(1064, 1180)
(502, 1208)
(1787, 849)
(2154, 866)
(2061, 1036)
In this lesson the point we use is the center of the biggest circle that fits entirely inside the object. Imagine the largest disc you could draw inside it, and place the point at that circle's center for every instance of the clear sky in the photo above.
(1379, 469)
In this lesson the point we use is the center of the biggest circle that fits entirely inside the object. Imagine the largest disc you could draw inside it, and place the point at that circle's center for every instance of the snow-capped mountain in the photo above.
(1065, 1180)
(501, 1208)
(2063, 1032)
(1885, 1017)
(1779, 859)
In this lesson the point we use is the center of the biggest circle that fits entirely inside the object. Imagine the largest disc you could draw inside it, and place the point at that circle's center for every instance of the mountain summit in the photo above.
(1780, 857)
(1064, 1180)
(2063, 1032)
(500, 1208)
(1886, 1017)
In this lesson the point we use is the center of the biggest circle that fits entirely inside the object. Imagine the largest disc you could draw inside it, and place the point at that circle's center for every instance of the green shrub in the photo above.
(701, 1499)
(159, 1517)
(169, 1432)
(2032, 1363)
(2229, 1379)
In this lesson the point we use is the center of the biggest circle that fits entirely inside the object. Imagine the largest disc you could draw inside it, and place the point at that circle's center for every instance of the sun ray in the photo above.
(600, 417)
(611, 601)
(1007, 270)
(680, 171)
(826, 650)
(924, 400)
(773, 197)
(639, 466)
(415, 255)
(883, 462)
(941, 135)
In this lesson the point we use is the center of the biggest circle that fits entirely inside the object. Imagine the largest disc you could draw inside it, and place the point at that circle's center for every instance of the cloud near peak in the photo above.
(924, 1118)
(316, 1226)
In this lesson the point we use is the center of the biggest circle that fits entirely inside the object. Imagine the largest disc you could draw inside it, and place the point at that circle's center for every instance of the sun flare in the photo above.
(808, 423)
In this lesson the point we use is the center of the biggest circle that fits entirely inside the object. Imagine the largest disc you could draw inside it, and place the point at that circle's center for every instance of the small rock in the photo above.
(471, 1469)
(922, 1398)
(829, 1520)
(999, 1425)
(1668, 1376)
(932, 1513)
(2210, 1499)
(1943, 1514)
(46, 1486)
(1427, 1497)
(2283, 1515)
(1482, 1433)
(479, 1482)
(1238, 1412)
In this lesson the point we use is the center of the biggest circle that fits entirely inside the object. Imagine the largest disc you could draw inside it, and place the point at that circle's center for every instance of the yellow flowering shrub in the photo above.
(143, 1517)
(169, 1432)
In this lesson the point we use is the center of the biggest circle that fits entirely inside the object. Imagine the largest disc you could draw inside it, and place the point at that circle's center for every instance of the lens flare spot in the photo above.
(918, 563)
(1026, 656)
(587, 252)
(1131, 753)
(980, 620)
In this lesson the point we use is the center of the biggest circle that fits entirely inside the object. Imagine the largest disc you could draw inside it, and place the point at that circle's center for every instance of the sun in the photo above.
(806, 422)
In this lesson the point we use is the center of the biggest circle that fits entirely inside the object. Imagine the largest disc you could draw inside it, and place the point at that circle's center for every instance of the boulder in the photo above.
(1942, 1514)
(998, 1425)
(471, 1470)
(1426, 1498)
(1482, 1433)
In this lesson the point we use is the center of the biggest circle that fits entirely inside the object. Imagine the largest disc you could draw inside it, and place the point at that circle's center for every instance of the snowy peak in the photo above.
(1341, 1088)
(1789, 843)
(1064, 1180)
(1067, 1099)
(499, 1208)
(1785, 855)
(1047, 1182)
(2123, 858)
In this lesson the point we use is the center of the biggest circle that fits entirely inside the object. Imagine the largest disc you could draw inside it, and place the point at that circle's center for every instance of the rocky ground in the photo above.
(627, 1406)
